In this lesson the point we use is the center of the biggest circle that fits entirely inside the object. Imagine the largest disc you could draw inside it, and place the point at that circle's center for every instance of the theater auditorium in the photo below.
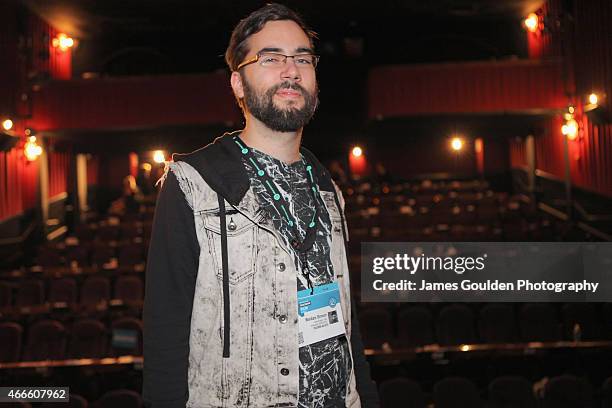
(446, 121)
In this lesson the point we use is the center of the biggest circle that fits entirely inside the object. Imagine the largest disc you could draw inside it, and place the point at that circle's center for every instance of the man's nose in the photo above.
(290, 70)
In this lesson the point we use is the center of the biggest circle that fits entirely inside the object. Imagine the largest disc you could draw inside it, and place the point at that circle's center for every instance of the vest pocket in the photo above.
(241, 244)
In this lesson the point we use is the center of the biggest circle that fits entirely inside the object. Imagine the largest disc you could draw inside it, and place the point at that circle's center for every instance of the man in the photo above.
(247, 290)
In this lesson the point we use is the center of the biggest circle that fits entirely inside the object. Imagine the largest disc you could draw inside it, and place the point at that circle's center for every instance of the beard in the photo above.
(288, 119)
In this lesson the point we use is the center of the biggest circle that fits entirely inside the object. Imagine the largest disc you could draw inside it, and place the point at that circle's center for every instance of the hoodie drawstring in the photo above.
(226, 300)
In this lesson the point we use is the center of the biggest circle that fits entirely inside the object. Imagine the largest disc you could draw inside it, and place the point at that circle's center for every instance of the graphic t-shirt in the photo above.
(325, 365)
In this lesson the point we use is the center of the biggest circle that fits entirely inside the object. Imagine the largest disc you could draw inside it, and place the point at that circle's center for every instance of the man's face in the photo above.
(284, 98)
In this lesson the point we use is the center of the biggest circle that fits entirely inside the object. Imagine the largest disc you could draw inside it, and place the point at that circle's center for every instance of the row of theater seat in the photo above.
(375, 187)
(84, 254)
(565, 391)
(50, 339)
(418, 325)
(120, 398)
(90, 290)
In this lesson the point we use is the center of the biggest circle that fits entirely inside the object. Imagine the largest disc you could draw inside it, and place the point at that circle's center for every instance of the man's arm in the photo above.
(172, 267)
(368, 393)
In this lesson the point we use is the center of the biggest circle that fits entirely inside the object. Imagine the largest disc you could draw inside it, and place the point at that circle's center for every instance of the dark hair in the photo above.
(254, 23)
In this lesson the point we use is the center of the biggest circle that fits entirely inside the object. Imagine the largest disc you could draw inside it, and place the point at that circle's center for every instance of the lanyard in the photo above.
(282, 207)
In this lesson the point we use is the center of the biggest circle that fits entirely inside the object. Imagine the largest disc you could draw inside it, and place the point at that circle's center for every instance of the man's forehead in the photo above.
(280, 36)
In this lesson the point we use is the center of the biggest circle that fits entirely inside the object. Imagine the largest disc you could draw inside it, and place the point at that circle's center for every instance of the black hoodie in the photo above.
(169, 296)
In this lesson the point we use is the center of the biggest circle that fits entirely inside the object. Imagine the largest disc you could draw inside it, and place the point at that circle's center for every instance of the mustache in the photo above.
(289, 85)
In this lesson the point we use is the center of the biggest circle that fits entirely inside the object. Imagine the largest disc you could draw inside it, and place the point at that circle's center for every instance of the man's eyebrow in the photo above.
(271, 49)
(304, 49)
(299, 50)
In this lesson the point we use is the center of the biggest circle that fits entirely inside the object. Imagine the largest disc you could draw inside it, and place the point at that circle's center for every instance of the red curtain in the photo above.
(18, 183)
(518, 153)
(546, 43)
(483, 87)
(591, 157)
(135, 102)
(46, 58)
(93, 168)
(59, 172)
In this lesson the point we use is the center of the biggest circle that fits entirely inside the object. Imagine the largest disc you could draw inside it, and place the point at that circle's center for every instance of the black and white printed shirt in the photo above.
(324, 366)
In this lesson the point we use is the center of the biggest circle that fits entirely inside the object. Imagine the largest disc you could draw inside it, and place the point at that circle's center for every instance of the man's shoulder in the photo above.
(203, 153)
(219, 165)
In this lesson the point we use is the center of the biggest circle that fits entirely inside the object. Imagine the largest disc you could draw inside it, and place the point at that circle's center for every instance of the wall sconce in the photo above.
(532, 22)
(63, 42)
(32, 150)
(456, 144)
(7, 124)
(595, 109)
(571, 127)
(357, 151)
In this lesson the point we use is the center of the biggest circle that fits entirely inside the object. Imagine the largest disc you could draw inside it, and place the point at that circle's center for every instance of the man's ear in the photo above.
(236, 82)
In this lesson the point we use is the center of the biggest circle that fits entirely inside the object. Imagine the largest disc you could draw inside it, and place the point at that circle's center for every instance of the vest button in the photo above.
(282, 319)
(232, 225)
(284, 371)
(281, 266)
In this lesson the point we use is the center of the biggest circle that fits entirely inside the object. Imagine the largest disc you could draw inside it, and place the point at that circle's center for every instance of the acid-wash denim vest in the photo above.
(262, 368)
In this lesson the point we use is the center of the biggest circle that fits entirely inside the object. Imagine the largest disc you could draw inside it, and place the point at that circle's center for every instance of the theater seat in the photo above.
(456, 392)
(538, 322)
(455, 325)
(63, 290)
(567, 391)
(46, 341)
(120, 399)
(583, 316)
(94, 290)
(129, 288)
(126, 337)
(497, 324)
(30, 293)
(11, 335)
(401, 392)
(6, 294)
(75, 401)
(88, 339)
(376, 327)
(511, 391)
(606, 393)
(415, 327)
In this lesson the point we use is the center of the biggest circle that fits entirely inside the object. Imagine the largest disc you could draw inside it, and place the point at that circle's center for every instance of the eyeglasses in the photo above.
(275, 60)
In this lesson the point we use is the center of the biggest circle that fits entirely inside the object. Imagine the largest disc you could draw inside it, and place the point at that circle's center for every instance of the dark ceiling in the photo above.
(148, 37)
(119, 37)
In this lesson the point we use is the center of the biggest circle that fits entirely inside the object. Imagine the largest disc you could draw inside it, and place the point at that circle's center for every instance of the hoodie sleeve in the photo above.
(171, 273)
(368, 393)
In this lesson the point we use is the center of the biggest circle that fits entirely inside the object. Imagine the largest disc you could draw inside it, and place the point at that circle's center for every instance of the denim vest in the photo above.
(259, 365)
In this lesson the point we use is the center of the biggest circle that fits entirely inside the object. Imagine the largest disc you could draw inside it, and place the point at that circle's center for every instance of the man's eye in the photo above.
(271, 60)
(304, 60)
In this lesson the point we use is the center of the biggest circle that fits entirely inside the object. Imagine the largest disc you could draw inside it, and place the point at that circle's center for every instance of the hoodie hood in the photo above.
(220, 165)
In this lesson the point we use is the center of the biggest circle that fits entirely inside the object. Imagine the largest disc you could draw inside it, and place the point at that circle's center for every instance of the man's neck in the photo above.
(284, 146)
